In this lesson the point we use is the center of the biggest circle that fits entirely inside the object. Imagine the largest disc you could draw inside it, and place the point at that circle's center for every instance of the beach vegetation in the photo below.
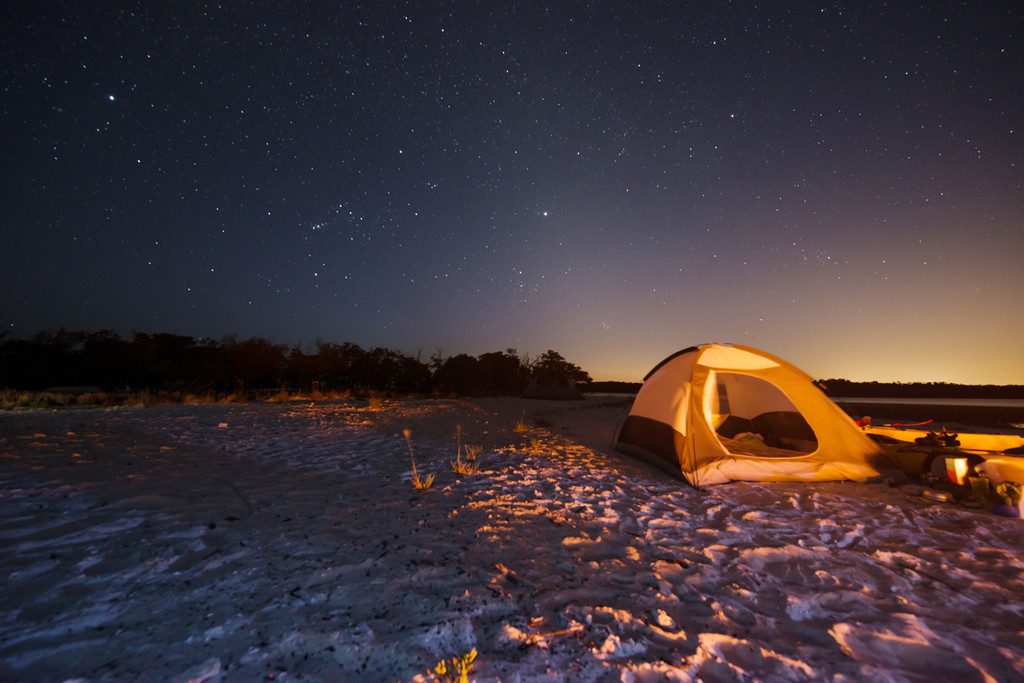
(422, 483)
(258, 368)
(182, 369)
(456, 669)
(27, 399)
(463, 467)
(491, 374)
(467, 466)
(552, 361)
(418, 483)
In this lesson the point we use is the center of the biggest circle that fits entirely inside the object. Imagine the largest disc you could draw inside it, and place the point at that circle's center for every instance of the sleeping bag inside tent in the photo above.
(722, 412)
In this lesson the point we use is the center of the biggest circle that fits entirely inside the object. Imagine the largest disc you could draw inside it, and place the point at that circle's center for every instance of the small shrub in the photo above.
(148, 399)
(30, 401)
(521, 425)
(422, 484)
(460, 466)
(464, 467)
(456, 668)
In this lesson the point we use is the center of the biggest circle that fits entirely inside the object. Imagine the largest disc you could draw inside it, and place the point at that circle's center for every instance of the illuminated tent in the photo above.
(720, 412)
(554, 385)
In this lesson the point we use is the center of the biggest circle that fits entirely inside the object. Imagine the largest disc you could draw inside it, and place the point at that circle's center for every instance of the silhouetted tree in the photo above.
(106, 360)
(255, 362)
(552, 360)
(459, 375)
(502, 373)
(171, 361)
(34, 363)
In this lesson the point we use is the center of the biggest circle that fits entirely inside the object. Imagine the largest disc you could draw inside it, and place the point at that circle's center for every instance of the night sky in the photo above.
(840, 184)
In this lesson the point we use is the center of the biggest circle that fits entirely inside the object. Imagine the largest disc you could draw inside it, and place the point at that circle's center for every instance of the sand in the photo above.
(285, 542)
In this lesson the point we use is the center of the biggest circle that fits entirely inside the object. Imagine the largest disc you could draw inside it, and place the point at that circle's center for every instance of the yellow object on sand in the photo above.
(969, 442)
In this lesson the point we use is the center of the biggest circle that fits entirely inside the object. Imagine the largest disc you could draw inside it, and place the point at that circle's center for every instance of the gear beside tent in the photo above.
(552, 385)
(721, 412)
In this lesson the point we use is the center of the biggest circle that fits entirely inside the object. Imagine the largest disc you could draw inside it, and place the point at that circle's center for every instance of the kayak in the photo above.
(981, 444)
(921, 451)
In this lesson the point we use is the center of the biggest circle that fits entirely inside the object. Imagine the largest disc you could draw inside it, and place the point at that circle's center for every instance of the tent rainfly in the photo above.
(722, 412)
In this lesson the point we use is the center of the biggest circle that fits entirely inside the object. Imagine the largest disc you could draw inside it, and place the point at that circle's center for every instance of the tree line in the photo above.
(165, 361)
(848, 389)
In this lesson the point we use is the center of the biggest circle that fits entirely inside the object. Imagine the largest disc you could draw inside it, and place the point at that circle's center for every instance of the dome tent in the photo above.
(720, 412)
(552, 385)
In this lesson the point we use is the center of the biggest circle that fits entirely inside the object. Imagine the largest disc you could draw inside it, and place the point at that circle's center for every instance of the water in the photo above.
(978, 402)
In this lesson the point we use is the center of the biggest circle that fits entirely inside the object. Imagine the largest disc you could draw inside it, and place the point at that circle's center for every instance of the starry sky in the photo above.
(838, 183)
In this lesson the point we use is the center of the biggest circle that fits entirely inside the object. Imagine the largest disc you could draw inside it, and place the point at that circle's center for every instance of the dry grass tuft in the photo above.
(463, 467)
(456, 669)
(521, 425)
(417, 483)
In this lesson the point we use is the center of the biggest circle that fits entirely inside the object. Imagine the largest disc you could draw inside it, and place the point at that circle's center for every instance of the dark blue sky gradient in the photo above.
(839, 184)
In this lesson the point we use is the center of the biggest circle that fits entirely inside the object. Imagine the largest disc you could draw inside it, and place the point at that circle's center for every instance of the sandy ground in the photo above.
(286, 542)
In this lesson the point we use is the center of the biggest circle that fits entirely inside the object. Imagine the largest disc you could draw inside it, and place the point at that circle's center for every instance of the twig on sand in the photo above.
(542, 636)
(534, 638)
(928, 575)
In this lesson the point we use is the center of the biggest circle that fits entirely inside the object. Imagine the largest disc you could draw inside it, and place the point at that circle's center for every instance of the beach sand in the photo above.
(285, 541)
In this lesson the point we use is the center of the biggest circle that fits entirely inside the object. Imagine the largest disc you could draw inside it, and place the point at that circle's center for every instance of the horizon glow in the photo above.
(841, 187)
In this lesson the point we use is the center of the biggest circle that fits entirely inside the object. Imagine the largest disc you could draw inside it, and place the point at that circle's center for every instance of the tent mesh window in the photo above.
(759, 414)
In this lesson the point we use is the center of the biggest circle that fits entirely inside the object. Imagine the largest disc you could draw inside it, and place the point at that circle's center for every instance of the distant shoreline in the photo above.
(983, 412)
(940, 411)
(962, 402)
